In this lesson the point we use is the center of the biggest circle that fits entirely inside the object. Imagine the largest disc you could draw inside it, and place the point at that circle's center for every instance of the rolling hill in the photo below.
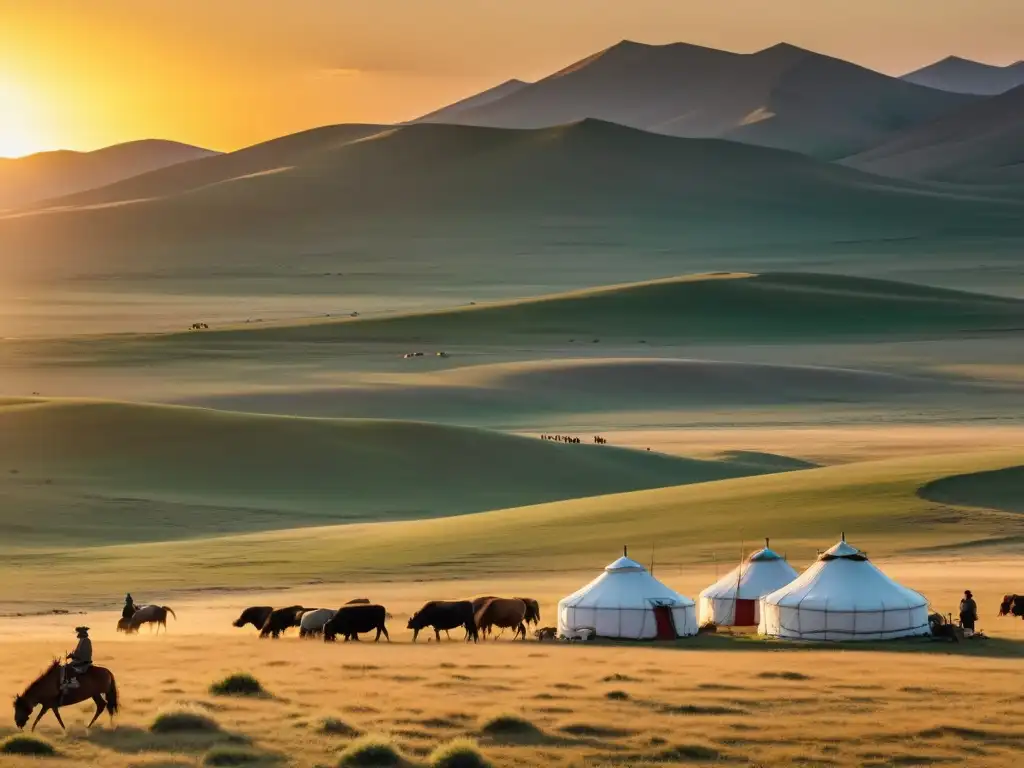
(90, 471)
(783, 96)
(877, 503)
(696, 308)
(966, 76)
(500, 91)
(27, 180)
(980, 143)
(467, 204)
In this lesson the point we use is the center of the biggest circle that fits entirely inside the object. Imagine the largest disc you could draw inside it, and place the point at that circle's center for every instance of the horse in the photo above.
(96, 683)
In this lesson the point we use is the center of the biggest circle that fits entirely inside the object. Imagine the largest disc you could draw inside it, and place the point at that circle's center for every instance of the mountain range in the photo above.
(965, 76)
(783, 97)
(26, 180)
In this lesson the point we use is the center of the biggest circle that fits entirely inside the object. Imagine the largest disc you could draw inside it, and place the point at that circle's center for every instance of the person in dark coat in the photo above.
(968, 611)
(129, 607)
(79, 660)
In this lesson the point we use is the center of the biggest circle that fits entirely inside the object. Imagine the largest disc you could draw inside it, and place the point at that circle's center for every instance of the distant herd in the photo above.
(478, 618)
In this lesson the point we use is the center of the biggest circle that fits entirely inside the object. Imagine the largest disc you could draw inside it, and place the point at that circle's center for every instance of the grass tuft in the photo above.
(507, 724)
(183, 720)
(459, 753)
(371, 751)
(617, 696)
(230, 756)
(27, 745)
(238, 684)
(332, 726)
(784, 676)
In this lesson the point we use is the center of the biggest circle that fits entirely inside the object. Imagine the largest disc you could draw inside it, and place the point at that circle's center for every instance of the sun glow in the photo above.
(18, 134)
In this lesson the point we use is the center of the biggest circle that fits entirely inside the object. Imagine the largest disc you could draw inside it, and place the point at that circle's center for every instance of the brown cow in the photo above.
(1012, 605)
(502, 612)
(147, 614)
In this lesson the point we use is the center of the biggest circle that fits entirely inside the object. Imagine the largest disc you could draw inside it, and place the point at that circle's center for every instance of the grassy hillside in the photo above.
(550, 390)
(94, 472)
(997, 489)
(875, 503)
(455, 205)
(701, 308)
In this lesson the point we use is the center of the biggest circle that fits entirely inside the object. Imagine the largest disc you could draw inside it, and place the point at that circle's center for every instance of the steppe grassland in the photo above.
(699, 701)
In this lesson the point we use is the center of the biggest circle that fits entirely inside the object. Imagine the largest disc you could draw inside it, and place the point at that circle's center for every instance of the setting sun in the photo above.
(17, 136)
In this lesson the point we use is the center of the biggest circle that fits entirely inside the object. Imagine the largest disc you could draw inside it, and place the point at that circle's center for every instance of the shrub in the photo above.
(617, 695)
(230, 756)
(183, 720)
(508, 725)
(26, 745)
(373, 751)
(239, 684)
(460, 753)
(332, 726)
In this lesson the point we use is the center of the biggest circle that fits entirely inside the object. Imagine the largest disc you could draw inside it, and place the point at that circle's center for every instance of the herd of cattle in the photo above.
(477, 617)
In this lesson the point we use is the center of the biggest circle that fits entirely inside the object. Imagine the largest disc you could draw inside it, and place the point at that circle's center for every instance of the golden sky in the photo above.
(81, 74)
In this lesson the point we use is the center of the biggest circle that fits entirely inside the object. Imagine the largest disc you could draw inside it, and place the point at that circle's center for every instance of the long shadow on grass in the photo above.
(130, 740)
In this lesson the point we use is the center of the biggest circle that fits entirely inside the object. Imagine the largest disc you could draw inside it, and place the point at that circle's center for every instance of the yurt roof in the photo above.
(844, 580)
(764, 554)
(625, 584)
(752, 579)
(624, 564)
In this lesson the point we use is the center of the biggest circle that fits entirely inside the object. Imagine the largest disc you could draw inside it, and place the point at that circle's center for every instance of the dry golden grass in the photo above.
(699, 701)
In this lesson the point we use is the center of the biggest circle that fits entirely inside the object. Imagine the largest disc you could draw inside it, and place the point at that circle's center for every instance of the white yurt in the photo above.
(735, 599)
(627, 602)
(843, 596)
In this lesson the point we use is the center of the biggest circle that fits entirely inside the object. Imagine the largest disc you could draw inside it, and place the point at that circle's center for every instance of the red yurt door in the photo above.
(665, 624)
(745, 613)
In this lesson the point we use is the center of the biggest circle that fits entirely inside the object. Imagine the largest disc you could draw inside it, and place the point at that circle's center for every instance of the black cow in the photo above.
(442, 614)
(532, 610)
(1012, 605)
(257, 615)
(280, 620)
(351, 620)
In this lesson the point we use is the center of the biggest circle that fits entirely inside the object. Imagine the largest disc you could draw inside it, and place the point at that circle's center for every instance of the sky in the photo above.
(83, 74)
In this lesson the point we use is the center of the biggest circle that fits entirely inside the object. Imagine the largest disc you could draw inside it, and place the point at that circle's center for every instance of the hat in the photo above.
(80, 630)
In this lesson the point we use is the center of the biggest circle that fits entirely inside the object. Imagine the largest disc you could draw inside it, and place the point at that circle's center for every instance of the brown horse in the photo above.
(96, 684)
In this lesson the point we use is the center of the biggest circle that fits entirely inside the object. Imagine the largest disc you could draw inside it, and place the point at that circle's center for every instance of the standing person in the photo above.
(129, 607)
(968, 612)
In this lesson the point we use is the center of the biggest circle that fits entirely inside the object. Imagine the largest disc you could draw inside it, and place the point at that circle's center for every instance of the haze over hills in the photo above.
(783, 96)
(965, 76)
(27, 180)
(982, 142)
(468, 199)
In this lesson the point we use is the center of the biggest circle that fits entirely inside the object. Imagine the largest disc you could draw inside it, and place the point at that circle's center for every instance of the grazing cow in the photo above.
(502, 612)
(532, 610)
(281, 619)
(312, 622)
(147, 614)
(257, 615)
(1012, 605)
(350, 620)
(441, 614)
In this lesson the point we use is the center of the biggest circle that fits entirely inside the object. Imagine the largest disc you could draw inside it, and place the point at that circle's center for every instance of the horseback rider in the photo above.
(129, 607)
(80, 660)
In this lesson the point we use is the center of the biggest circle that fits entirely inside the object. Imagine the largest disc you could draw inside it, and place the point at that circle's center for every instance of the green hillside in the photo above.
(98, 472)
(701, 308)
(464, 205)
(875, 503)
